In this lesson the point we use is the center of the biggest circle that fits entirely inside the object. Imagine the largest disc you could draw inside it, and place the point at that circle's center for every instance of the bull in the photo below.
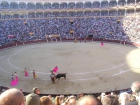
(59, 75)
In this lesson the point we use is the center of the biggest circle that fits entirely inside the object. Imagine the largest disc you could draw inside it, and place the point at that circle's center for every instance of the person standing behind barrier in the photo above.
(33, 98)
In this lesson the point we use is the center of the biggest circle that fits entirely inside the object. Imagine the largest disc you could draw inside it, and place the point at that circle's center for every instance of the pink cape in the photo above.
(26, 74)
(16, 80)
(55, 69)
(12, 82)
(102, 44)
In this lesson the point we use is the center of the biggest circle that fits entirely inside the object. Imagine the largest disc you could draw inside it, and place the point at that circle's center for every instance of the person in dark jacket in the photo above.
(33, 98)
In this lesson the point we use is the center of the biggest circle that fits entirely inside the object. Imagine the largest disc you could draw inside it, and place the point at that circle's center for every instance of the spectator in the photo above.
(72, 100)
(135, 87)
(12, 97)
(124, 98)
(57, 100)
(45, 100)
(33, 98)
(61, 99)
(110, 100)
(88, 100)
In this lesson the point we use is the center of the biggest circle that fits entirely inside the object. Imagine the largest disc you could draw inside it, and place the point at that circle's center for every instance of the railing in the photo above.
(18, 43)
(3, 88)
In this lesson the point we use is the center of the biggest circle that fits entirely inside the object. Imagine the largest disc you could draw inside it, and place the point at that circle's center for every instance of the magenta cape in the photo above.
(55, 69)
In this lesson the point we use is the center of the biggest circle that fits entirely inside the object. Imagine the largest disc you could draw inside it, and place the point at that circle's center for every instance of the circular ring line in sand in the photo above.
(115, 72)
(69, 73)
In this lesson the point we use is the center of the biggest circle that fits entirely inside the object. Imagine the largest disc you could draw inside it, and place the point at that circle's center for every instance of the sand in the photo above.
(90, 68)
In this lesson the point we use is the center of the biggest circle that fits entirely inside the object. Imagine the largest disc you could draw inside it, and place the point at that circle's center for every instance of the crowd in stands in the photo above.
(16, 97)
(111, 28)
(36, 25)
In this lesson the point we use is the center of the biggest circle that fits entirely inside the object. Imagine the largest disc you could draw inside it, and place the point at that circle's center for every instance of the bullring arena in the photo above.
(41, 34)
(90, 68)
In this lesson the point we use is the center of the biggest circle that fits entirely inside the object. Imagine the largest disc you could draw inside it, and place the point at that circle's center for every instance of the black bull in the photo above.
(58, 76)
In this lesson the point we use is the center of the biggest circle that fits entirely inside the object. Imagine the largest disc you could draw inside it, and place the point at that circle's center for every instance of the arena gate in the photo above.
(53, 37)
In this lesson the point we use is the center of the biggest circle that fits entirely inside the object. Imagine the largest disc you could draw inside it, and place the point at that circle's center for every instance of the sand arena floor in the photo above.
(90, 67)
